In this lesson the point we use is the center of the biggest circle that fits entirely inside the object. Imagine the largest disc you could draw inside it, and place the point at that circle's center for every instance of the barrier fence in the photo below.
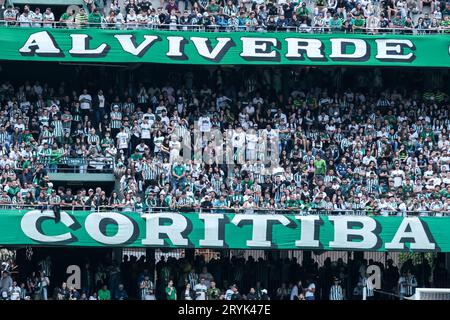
(224, 28)
(186, 210)
(78, 165)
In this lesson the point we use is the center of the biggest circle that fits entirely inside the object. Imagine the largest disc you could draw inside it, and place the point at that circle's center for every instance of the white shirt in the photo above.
(238, 139)
(49, 17)
(200, 290)
(398, 177)
(145, 130)
(25, 20)
(85, 105)
(123, 140)
(37, 24)
(228, 294)
(309, 293)
(205, 124)
(101, 101)
(251, 140)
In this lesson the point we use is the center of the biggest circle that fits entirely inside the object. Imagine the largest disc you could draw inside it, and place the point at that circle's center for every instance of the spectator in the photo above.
(104, 293)
(95, 18)
(121, 294)
(171, 291)
(81, 19)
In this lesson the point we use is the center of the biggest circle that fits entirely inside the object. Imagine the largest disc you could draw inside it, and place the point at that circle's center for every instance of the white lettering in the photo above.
(128, 45)
(258, 47)
(307, 231)
(40, 43)
(342, 233)
(80, 44)
(312, 48)
(416, 236)
(211, 230)
(124, 232)
(203, 50)
(391, 49)
(173, 230)
(337, 44)
(175, 47)
(29, 226)
(260, 230)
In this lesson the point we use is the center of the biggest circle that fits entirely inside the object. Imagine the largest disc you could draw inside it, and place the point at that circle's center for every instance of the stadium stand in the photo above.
(373, 17)
(315, 141)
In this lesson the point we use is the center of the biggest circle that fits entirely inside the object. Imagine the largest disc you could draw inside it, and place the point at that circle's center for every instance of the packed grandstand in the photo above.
(316, 144)
(320, 16)
(384, 152)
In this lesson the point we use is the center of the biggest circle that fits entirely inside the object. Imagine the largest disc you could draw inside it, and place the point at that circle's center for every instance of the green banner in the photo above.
(218, 230)
(290, 48)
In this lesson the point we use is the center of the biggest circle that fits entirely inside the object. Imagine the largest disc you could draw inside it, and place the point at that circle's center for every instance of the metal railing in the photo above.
(197, 209)
(78, 164)
(120, 25)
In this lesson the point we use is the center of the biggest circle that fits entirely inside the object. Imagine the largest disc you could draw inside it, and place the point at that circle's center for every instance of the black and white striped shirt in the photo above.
(216, 183)
(91, 138)
(4, 137)
(129, 105)
(336, 292)
(151, 172)
(193, 279)
(372, 185)
(116, 120)
(369, 287)
(411, 284)
(58, 130)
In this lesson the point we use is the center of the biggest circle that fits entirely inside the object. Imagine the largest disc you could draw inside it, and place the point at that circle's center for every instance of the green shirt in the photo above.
(55, 156)
(302, 13)
(213, 8)
(336, 23)
(429, 134)
(359, 23)
(12, 191)
(104, 294)
(65, 16)
(179, 170)
(294, 204)
(398, 22)
(26, 137)
(94, 18)
(320, 166)
(136, 157)
(172, 295)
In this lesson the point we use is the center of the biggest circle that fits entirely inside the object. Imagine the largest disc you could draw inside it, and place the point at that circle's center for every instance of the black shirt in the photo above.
(236, 296)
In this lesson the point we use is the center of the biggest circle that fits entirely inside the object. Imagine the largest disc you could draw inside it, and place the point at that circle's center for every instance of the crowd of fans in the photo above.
(378, 152)
(366, 16)
(228, 279)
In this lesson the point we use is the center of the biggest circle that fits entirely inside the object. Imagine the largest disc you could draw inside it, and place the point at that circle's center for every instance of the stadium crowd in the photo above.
(366, 16)
(227, 279)
(377, 152)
